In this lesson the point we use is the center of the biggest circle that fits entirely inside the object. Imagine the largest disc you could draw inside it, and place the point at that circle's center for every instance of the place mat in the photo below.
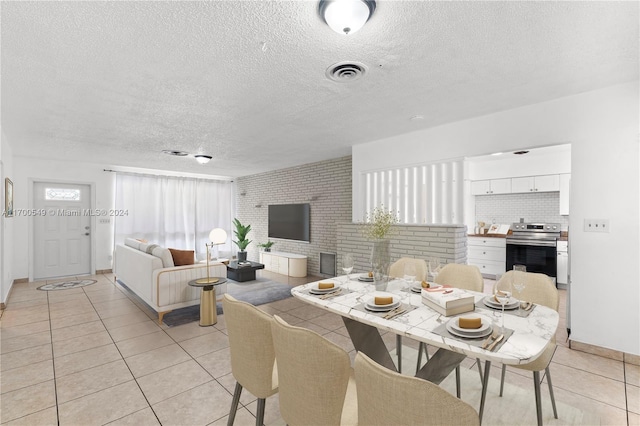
(342, 292)
(406, 306)
(517, 312)
(477, 342)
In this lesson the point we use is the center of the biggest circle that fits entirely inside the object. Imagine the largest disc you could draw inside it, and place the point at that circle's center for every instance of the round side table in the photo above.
(208, 314)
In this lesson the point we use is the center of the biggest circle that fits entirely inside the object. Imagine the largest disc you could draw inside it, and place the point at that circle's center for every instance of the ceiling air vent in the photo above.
(343, 72)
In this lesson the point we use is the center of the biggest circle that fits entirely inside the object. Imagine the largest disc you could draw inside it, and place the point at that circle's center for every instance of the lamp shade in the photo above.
(346, 16)
(218, 236)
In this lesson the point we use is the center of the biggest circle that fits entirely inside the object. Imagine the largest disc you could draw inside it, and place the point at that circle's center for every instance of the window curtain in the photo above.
(173, 212)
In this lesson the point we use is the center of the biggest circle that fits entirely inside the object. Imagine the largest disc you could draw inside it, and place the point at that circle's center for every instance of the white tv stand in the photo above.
(290, 264)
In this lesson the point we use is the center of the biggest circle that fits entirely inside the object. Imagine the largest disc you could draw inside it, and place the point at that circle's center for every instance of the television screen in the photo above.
(289, 221)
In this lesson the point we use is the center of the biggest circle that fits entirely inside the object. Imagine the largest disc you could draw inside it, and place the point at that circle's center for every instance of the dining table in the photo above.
(524, 337)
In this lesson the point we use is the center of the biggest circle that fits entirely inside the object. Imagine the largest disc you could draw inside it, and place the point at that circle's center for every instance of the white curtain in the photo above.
(173, 212)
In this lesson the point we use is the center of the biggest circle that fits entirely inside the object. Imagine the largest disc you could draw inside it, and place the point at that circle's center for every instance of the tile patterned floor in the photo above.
(95, 355)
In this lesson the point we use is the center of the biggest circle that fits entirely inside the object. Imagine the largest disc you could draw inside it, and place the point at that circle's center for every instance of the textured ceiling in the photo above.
(117, 82)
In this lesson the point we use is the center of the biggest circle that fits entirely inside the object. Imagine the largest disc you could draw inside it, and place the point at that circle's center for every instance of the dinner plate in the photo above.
(370, 305)
(365, 278)
(513, 303)
(315, 290)
(453, 328)
(418, 288)
(475, 332)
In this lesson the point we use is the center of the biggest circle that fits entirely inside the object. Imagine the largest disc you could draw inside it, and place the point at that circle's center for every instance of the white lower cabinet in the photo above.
(488, 254)
(290, 264)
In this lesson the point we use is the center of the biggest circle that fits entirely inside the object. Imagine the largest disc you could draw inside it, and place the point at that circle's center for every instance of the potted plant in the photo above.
(242, 242)
(377, 227)
(266, 246)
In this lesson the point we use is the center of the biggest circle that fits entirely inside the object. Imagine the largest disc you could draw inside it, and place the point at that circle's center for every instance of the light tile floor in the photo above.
(95, 355)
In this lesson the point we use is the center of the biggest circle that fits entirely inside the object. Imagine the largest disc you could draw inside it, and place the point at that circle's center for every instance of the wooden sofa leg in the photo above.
(161, 315)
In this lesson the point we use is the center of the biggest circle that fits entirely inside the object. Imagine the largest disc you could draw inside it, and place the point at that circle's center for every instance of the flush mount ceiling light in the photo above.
(346, 16)
(520, 152)
(202, 159)
(174, 152)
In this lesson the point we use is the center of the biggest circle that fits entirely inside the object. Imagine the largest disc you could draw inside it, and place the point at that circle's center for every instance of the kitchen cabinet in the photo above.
(562, 272)
(565, 184)
(544, 183)
(492, 186)
(290, 264)
(488, 254)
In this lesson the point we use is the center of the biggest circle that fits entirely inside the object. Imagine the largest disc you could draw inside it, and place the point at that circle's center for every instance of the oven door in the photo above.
(537, 255)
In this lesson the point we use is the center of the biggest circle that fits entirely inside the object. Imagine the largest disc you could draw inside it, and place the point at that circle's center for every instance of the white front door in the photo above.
(62, 230)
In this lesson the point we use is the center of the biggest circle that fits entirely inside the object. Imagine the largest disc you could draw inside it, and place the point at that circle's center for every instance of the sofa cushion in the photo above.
(132, 242)
(182, 257)
(164, 255)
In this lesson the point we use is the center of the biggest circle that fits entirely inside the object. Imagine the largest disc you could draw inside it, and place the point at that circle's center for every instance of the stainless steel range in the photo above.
(534, 245)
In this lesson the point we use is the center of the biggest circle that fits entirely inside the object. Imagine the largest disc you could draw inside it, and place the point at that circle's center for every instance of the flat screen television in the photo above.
(289, 221)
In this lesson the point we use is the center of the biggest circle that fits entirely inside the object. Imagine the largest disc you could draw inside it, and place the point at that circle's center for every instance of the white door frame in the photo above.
(30, 185)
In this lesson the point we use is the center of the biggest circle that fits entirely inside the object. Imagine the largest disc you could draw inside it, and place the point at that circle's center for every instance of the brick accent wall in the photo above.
(509, 208)
(329, 181)
(448, 242)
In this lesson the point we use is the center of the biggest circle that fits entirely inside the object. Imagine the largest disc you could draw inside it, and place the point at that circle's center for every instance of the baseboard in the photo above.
(21, 280)
(104, 271)
(596, 350)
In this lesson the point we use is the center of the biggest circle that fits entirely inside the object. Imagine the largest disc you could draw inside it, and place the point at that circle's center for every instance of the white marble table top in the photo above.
(531, 334)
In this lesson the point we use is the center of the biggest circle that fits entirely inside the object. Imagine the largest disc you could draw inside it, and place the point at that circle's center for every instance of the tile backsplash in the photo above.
(509, 208)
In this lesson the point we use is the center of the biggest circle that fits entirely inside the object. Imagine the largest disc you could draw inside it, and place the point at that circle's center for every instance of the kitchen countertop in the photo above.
(564, 235)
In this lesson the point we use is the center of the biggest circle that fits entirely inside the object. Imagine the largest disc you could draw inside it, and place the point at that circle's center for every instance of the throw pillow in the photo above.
(182, 257)
(133, 243)
(164, 255)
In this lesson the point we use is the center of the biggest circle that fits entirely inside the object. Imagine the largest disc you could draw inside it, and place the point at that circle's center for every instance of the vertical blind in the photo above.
(428, 193)
(172, 211)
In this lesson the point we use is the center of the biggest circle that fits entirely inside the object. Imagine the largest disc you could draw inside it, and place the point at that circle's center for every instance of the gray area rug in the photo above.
(257, 292)
(66, 285)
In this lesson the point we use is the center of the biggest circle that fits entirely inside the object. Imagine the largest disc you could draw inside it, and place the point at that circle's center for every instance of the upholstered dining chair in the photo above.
(252, 353)
(540, 290)
(317, 384)
(389, 398)
(467, 277)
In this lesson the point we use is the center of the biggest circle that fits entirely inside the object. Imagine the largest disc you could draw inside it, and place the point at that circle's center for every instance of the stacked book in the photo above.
(448, 301)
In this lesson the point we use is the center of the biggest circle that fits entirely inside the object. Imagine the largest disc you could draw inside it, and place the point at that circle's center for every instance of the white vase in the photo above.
(380, 262)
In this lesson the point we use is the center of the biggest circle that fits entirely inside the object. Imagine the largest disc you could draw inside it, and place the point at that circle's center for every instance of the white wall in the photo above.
(6, 224)
(602, 127)
(28, 170)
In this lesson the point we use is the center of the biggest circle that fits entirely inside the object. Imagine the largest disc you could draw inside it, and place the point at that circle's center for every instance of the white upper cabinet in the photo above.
(565, 185)
(544, 183)
(493, 186)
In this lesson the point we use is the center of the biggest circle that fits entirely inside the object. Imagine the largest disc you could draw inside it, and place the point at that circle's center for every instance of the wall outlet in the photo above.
(596, 225)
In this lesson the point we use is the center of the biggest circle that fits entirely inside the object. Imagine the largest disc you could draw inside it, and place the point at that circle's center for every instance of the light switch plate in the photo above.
(596, 225)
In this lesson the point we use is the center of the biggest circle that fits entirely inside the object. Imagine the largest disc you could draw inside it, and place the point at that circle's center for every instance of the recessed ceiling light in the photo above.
(174, 152)
(202, 159)
(520, 152)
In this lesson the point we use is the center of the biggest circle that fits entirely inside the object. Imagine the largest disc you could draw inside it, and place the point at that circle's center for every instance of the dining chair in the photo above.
(252, 354)
(539, 289)
(397, 270)
(389, 398)
(467, 277)
(317, 384)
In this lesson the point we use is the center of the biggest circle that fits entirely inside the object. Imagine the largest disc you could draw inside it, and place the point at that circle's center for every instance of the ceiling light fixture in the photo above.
(175, 152)
(496, 153)
(346, 16)
(202, 159)
(520, 152)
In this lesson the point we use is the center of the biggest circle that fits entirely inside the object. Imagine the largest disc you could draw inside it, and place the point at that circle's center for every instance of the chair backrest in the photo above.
(389, 398)
(396, 270)
(467, 277)
(539, 288)
(251, 346)
(313, 374)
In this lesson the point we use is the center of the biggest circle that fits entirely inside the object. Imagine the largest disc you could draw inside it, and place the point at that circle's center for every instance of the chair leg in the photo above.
(458, 381)
(504, 370)
(536, 387)
(399, 351)
(553, 399)
(260, 412)
(234, 404)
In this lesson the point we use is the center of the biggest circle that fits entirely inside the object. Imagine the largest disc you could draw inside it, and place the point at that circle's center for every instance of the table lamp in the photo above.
(217, 236)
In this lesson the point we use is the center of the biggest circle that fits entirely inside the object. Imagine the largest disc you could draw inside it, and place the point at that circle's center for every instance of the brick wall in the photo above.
(509, 208)
(329, 181)
(448, 242)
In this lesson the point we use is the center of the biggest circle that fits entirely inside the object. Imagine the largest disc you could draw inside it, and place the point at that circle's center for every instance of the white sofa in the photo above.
(148, 271)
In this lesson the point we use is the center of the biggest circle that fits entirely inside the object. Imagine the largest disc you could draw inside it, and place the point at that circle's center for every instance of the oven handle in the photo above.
(535, 243)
